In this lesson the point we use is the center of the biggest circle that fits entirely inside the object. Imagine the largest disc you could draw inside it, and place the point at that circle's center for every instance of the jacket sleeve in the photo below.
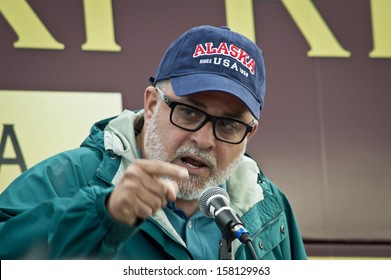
(52, 211)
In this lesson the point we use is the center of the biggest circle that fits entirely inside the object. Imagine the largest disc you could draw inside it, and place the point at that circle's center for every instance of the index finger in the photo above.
(162, 168)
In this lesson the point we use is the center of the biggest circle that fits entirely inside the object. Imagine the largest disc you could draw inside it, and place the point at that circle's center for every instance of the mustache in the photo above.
(192, 149)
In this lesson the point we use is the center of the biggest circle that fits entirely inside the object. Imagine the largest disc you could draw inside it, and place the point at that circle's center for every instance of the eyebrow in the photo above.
(202, 106)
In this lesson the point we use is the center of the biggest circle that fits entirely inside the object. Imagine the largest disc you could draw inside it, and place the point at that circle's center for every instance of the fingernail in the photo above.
(183, 173)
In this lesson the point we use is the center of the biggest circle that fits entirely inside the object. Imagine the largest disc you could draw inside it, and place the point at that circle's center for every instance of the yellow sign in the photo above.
(322, 41)
(35, 125)
(33, 34)
(100, 30)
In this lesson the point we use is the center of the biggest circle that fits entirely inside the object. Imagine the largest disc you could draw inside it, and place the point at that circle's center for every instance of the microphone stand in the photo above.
(225, 246)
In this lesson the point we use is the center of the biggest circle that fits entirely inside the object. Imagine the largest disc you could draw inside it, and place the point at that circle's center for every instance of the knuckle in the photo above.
(132, 171)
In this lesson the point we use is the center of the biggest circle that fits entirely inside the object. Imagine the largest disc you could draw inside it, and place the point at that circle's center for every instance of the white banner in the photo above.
(186, 270)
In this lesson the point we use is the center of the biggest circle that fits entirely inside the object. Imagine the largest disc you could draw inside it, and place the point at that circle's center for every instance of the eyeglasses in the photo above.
(191, 118)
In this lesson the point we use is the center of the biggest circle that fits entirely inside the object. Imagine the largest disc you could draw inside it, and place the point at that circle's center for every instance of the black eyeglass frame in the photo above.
(208, 117)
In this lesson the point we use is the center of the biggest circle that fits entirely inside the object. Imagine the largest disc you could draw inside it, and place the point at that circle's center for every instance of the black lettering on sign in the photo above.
(9, 132)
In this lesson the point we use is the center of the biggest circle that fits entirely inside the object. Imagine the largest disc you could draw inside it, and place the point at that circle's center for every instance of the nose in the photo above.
(204, 137)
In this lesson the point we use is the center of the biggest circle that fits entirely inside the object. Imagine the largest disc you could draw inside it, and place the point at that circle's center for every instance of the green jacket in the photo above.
(56, 209)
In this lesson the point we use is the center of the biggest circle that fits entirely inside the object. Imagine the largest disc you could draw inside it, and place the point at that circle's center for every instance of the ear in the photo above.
(150, 101)
(253, 131)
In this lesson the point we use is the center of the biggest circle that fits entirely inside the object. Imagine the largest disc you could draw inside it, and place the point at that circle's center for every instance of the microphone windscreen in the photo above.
(205, 197)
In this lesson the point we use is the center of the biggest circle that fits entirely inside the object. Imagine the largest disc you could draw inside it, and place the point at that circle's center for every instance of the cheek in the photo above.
(171, 136)
(227, 154)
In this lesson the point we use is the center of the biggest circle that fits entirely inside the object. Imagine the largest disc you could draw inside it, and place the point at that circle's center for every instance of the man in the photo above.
(131, 190)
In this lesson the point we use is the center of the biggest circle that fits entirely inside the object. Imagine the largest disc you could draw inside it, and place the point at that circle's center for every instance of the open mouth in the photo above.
(193, 163)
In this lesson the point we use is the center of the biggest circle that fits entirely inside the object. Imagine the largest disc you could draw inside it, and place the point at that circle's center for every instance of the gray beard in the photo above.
(192, 188)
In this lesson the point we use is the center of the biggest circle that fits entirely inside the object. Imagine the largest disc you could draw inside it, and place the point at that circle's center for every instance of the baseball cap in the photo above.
(207, 58)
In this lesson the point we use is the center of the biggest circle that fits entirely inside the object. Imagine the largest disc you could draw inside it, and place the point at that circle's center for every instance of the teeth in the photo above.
(190, 165)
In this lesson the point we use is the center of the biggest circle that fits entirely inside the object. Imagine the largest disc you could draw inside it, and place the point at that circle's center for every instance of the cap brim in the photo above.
(194, 83)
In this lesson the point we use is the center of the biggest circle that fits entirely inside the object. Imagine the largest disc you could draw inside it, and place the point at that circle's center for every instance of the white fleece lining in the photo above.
(119, 137)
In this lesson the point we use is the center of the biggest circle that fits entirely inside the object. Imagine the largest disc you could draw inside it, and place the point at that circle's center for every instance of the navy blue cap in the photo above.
(207, 58)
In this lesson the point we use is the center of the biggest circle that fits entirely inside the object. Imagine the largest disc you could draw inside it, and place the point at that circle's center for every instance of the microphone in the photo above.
(214, 203)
